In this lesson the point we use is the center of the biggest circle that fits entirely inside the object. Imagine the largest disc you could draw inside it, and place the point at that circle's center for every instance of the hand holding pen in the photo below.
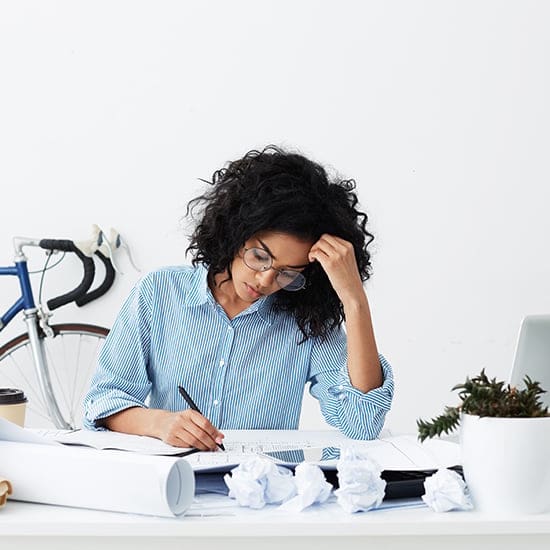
(194, 407)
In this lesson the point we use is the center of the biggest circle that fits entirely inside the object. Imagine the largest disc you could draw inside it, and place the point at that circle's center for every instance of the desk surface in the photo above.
(216, 521)
(212, 517)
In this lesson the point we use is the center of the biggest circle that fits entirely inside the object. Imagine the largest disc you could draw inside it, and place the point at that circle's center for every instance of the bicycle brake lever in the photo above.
(106, 248)
(116, 238)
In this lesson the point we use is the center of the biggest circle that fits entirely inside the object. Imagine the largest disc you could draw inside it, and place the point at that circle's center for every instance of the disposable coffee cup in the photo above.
(13, 404)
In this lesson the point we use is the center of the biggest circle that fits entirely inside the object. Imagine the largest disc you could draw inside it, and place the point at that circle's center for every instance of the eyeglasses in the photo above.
(259, 259)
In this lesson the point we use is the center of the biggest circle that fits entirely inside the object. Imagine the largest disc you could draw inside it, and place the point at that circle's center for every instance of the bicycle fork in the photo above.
(43, 373)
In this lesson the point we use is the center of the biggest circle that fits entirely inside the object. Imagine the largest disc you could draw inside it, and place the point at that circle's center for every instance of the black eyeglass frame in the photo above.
(297, 275)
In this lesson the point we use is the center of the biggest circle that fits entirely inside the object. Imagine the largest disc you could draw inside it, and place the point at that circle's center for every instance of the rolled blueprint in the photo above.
(104, 480)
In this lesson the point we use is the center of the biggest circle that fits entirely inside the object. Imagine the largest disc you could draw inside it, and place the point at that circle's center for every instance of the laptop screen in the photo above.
(533, 354)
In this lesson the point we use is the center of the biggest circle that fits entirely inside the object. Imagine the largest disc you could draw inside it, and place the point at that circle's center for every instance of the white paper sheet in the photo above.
(242, 444)
(399, 452)
(13, 432)
(405, 452)
(103, 480)
(89, 438)
(114, 441)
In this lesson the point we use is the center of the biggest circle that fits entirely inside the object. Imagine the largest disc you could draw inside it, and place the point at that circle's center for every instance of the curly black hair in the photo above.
(276, 190)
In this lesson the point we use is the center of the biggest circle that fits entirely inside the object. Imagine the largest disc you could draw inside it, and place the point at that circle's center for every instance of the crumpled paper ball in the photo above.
(446, 491)
(361, 487)
(311, 487)
(259, 481)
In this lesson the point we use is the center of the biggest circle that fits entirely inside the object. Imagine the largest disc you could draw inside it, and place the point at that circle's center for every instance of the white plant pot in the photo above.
(506, 463)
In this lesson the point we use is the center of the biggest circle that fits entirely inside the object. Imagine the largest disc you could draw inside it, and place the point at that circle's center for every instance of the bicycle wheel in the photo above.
(71, 355)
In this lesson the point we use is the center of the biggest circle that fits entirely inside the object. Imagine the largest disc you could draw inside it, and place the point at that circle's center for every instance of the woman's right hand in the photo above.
(187, 428)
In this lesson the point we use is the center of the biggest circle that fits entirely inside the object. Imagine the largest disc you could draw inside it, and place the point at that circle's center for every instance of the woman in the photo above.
(279, 259)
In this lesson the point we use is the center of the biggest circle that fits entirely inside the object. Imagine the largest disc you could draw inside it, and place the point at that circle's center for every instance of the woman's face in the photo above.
(285, 253)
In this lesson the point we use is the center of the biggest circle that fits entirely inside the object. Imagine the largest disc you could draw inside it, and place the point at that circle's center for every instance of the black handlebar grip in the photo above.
(66, 245)
(104, 286)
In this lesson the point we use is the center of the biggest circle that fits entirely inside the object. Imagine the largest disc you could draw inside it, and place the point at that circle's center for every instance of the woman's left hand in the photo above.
(337, 258)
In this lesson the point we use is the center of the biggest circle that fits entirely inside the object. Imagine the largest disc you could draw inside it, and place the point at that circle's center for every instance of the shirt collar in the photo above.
(201, 294)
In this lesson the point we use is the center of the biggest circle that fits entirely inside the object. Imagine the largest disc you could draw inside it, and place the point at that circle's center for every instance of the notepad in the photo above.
(102, 440)
(108, 440)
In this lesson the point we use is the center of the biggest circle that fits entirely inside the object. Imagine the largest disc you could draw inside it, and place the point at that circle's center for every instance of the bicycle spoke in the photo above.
(71, 357)
(74, 396)
(23, 381)
(90, 367)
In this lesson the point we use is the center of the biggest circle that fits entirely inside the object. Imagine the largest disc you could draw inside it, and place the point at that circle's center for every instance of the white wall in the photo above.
(110, 111)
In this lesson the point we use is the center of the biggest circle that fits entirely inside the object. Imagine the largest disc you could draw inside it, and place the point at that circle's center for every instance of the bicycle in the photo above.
(53, 363)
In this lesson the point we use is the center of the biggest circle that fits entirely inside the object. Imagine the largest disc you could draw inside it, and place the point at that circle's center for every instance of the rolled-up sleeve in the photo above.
(356, 414)
(121, 380)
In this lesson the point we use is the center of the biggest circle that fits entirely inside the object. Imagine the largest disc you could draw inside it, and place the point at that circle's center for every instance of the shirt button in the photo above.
(215, 402)
(222, 362)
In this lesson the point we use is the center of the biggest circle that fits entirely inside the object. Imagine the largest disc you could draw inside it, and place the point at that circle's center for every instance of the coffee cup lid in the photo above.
(11, 396)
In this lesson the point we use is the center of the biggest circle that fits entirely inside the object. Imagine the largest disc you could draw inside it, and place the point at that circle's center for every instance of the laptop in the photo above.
(533, 354)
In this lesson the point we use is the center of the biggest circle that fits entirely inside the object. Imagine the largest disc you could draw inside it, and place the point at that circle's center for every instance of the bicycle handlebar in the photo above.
(104, 286)
(80, 294)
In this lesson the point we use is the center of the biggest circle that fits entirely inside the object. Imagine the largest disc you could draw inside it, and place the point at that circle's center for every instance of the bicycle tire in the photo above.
(73, 344)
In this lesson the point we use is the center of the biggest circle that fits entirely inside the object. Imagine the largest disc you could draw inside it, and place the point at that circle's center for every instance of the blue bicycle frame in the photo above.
(26, 304)
(26, 300)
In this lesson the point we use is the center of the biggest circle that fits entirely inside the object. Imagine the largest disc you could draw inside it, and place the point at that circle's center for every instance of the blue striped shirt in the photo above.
(248, 372)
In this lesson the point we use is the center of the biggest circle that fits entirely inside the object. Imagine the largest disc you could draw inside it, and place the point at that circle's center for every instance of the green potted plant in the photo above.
(505, 443)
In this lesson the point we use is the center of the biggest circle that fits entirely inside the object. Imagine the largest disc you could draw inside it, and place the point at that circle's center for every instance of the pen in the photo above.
(191, 403)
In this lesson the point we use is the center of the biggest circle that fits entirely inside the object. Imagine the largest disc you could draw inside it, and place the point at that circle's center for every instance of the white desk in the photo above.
(217, 523)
